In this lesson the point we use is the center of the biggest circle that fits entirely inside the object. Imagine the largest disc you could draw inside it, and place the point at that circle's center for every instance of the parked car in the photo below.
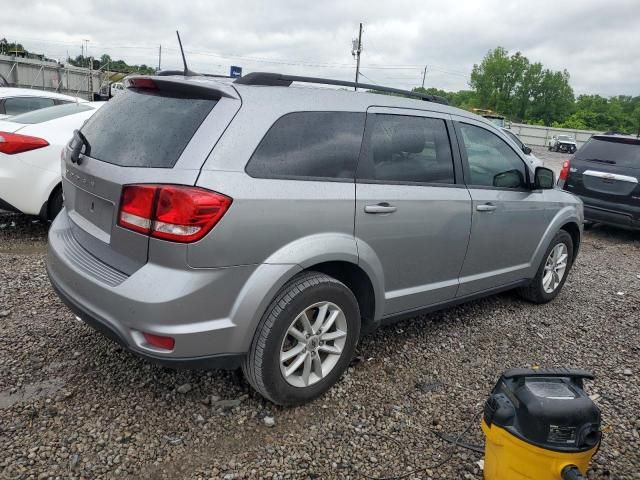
(30, 145)
(256, 225)
(14, 101)
(605, 174)
(526, 150)
(563, 143)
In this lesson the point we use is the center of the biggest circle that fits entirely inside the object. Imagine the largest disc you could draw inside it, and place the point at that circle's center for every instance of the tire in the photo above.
(536, 292)
(55, 204)
(308, 293)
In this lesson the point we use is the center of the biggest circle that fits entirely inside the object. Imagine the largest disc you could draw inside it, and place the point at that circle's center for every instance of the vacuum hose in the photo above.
(571, 472)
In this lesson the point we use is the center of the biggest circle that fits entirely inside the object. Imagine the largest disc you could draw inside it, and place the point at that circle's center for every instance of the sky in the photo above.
(598, 42)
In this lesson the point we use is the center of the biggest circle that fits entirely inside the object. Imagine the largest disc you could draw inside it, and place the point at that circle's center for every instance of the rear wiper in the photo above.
(83, 142)
(610, 162)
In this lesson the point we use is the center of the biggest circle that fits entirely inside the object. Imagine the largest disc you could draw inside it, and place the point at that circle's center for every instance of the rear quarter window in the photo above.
(145, 128)
(310, 145)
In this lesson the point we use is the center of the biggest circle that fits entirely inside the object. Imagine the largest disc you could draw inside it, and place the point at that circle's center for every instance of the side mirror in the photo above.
(526, 149)
(544, 179)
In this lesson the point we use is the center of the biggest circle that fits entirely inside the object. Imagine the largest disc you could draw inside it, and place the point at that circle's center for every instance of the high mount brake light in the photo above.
(142, 82)
(12, 143)
(564, 173)
(171, 212)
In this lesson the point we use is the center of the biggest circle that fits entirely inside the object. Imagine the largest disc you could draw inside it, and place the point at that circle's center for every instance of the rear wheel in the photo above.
(305, 340)
(552, 272)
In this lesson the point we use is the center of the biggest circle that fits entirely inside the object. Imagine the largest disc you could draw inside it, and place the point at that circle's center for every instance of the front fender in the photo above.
(567, 214)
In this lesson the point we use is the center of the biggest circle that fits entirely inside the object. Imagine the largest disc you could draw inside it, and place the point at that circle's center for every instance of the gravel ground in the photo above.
(74, 405)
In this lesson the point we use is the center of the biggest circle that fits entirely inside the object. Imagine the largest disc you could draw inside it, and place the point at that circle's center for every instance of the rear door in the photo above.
(158, 134)
(509, 218)
(607, 168)
(411, 208)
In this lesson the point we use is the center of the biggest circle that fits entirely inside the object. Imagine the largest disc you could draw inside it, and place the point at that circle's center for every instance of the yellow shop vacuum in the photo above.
(540, 425)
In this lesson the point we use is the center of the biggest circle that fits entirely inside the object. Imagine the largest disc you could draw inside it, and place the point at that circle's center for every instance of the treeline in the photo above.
(527, 92)
(105, 62)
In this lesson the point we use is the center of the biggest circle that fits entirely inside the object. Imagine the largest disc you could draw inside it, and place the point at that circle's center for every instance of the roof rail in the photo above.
(280, 80)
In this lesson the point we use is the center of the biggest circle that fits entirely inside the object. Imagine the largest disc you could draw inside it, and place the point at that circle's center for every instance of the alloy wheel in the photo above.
(555, 268)
(313, 344)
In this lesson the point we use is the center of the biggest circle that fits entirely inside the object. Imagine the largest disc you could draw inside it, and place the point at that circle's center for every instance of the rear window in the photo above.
(311, 145)
(18, 105)
(50, 113)
(145, 128)
(613, 152)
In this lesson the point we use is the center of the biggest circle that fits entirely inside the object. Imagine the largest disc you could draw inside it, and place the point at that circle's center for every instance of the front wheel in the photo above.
(304, 341)
(553, 270)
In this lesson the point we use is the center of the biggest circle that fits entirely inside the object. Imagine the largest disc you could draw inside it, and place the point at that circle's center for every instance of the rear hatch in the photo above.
(607, 168)
(159, 130)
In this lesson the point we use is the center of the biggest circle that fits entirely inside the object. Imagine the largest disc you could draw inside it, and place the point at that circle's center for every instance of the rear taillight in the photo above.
(11, 143)
(171, 212)
(564, 173)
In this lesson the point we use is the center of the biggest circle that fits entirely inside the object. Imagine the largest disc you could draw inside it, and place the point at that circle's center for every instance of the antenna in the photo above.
(187, 72)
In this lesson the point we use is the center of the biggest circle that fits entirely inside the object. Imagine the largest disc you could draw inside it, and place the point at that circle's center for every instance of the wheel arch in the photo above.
(358, 281)
(573, 229)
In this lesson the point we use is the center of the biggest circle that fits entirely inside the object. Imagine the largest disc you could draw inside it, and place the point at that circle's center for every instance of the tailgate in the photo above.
(607, 168)
(144, 135)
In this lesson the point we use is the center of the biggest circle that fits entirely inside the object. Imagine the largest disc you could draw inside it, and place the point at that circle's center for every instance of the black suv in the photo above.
(605, 174)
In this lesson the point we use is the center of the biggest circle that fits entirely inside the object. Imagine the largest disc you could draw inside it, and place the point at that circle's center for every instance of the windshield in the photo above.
(565, 138)
(50, 113)
(514, 138)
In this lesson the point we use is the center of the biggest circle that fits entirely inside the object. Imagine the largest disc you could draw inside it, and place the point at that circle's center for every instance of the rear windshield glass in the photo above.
(145, 128)
(611, 152)
(50, 113)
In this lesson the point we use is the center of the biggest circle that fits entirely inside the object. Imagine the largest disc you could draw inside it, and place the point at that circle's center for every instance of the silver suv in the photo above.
(267, 226)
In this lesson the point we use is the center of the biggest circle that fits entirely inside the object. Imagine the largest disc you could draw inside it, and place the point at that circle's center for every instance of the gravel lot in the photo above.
(74, 405)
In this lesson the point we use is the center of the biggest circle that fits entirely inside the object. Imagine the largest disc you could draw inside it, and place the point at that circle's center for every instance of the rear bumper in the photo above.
(229, 361)
(611, 213)
(610, 217)
(197, 307)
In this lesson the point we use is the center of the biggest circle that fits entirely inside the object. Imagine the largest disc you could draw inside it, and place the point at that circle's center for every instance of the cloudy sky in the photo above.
(598, 42)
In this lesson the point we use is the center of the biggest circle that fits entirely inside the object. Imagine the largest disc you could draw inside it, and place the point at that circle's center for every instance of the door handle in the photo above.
(487, 207)
(383, 207)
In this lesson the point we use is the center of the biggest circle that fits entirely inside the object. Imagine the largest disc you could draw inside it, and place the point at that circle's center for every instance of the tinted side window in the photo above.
(407, 149)
(17, 105)
(492, 163)
(310, 145)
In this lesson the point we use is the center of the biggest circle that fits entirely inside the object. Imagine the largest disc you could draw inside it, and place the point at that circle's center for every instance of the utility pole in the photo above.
(159, 56)
(424, 75)
(356, 52)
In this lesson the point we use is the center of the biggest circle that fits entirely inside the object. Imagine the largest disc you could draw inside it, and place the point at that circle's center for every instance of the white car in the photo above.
(15, 101)
(533, 160)
(30, 146)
